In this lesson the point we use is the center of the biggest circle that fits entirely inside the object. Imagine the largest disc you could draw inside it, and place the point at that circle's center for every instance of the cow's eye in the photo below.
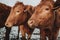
(47, 9)
(17, 11)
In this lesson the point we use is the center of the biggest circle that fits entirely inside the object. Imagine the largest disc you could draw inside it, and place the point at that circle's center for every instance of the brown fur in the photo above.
(43, 18)
(4, 12)
(56, 24)
(57, 19)
(19, 15)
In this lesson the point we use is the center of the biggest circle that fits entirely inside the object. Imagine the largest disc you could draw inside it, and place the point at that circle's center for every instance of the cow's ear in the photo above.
(26, 8)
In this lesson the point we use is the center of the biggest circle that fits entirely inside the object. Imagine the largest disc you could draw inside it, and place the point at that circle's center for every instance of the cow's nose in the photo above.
(30, 22)
(6, 24)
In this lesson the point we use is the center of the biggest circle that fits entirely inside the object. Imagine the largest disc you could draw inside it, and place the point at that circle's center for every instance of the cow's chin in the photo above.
(9, 26)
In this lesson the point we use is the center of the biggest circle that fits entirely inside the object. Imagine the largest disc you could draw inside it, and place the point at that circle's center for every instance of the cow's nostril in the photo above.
(6, 24)
(31, 22)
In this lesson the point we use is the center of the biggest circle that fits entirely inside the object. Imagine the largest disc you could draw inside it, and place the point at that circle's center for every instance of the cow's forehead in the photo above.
(18, 7)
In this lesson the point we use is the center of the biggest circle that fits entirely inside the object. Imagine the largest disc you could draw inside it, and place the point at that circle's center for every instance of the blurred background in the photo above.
(26, 2)
(29, 2)
(14, 31)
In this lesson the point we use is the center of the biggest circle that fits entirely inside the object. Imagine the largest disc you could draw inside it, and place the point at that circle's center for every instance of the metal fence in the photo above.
(14, 33)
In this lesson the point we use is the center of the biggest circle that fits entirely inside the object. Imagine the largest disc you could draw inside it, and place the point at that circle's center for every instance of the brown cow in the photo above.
(4, 12)
(19, 16)
(57, 19)
(56, 24)
(43, 18)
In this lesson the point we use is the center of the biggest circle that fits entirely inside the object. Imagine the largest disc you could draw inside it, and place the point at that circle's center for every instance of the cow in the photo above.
(43, 18)
(19, 16)
(4, 12)
(56, 24)
(57, 19)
